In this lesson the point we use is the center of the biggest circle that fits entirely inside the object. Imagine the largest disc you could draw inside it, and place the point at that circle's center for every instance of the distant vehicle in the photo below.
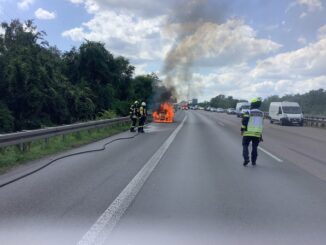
(213, 109)
(286, 113)
(219, 110)
(241, 108)
(230, 111)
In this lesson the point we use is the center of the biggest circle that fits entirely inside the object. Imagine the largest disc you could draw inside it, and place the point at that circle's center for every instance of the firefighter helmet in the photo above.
(256, 102)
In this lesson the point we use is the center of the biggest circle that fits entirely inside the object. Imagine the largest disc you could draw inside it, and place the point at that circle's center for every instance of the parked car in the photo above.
(231, 111)
(213, 109)
(220, 110)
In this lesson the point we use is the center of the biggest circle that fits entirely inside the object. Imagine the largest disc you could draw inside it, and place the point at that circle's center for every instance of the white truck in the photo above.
(241, 108)
(286, 113)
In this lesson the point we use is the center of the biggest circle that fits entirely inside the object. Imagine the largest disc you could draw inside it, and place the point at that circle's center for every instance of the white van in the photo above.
(241, 108)
(286, 113)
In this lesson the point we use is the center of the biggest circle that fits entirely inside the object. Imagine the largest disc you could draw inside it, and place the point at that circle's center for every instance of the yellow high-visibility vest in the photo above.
(255, 124)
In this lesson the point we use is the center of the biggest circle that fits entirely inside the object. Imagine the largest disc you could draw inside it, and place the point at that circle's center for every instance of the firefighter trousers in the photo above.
(133, 124)
(245, 144)
(142, 121)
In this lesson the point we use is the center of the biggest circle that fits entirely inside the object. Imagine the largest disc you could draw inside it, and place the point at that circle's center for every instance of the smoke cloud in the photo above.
(189, 21)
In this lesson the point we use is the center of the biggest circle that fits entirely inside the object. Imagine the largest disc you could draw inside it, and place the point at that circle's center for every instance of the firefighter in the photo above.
(142, 117)
(134, 113)
(251, 130)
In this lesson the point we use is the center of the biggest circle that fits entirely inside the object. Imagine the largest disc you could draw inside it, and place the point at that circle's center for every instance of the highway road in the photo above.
(180, 183)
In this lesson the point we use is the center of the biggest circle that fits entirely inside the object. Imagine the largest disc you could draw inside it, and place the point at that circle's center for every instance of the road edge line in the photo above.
(270, 154)
(111, 216)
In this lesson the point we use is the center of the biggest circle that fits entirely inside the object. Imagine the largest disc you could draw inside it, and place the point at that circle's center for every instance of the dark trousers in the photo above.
(141, 124)
(245, 144)
(133, 124)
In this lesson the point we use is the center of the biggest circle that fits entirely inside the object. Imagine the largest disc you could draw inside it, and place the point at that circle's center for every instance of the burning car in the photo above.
(164, 114)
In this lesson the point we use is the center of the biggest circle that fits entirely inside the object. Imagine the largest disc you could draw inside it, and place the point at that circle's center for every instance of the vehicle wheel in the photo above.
(271, 121)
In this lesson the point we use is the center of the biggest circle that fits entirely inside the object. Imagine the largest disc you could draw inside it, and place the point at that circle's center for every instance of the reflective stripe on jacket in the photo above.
(134, 111)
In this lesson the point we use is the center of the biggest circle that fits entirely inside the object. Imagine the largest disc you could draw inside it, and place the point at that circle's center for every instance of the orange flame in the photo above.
(165, 114)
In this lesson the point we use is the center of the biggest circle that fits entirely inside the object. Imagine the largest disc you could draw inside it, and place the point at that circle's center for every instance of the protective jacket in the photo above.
(143, 112)
(134, 112)
(252, 123)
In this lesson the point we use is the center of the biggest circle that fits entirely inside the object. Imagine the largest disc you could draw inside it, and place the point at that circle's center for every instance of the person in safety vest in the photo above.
(134, 114)
(142, 118)
(252, 130)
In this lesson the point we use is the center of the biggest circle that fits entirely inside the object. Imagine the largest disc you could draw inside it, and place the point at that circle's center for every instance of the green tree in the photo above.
(40, 86)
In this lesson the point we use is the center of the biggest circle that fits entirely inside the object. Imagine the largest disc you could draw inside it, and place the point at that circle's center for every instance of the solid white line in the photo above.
(102, 228)
(270, 154)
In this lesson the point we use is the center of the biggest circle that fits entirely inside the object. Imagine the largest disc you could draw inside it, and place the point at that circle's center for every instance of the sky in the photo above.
(203, 48)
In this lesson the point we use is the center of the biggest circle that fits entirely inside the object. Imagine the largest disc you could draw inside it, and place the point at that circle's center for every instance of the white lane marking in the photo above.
(220, 123)
(102, 228)
(270, 154)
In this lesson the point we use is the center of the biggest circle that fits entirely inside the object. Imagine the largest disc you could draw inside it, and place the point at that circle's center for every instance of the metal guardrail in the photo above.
(315, 118)
(28, 136)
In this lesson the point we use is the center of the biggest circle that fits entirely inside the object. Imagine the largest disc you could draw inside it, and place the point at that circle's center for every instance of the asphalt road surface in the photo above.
(180, 183)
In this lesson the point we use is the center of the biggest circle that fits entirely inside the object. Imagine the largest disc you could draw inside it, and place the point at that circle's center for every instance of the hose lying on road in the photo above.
(66, 156)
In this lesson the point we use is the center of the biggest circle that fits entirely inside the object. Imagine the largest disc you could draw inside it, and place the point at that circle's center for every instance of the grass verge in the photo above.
(13, 156)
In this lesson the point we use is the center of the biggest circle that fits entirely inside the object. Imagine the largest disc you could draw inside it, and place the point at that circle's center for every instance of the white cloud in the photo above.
(312, 5)
(140, 69)
(77, 1)
(302, 40)
(292, 72)
(25, 4)
(232, 42)
(91, 6)
(2, 31)
(44, 14)
(240, 84)
(124, 34)
(144, 8)
(322, 32)
(223, 52)
(307, 61)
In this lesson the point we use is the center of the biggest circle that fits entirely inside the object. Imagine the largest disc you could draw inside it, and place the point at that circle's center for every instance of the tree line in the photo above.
(221, 101)
(313, 102)
(42, 86)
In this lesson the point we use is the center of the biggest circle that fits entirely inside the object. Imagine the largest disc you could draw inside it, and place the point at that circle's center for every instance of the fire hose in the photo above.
(65, 156)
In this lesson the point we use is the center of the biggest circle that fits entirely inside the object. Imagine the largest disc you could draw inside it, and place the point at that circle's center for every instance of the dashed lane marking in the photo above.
(270, 154)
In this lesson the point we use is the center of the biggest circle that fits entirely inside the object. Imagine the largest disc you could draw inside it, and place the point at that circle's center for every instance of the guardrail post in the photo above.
(23, 146)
